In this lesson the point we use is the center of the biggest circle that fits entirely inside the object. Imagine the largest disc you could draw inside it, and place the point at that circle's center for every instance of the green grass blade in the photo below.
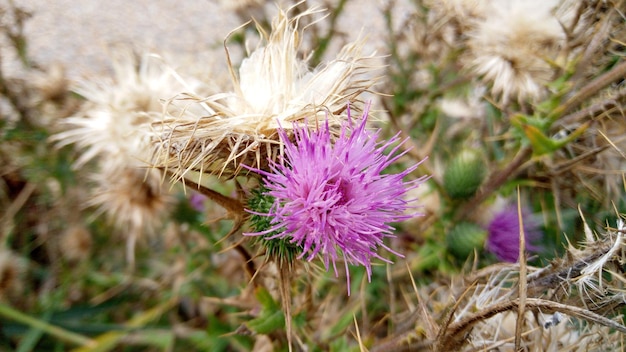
(35, 323)
(110, 340)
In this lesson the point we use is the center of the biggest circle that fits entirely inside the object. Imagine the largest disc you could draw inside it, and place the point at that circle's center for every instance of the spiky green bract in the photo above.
(279, 249)
(464, 174)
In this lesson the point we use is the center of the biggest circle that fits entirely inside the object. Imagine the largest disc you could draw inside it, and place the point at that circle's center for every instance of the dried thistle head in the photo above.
(113, 129)
(116, 117)
(512, 45)
(274, 88)
(133, 200)
(76, 243)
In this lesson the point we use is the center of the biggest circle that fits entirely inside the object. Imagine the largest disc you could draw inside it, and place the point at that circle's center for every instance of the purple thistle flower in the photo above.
(332, 199)
(503, 237)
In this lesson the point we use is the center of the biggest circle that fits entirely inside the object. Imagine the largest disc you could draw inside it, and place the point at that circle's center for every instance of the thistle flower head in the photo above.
(504, 231)
(274, 87)
(332, 198)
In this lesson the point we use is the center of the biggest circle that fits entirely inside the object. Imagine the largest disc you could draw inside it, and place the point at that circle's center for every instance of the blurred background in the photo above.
(518, 105)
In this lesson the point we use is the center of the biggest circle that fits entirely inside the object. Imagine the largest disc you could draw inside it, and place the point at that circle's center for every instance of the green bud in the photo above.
(464, 174)
(464, 238)
(279, 249)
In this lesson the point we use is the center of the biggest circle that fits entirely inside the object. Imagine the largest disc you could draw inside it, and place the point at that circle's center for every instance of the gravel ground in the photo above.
(79, 34)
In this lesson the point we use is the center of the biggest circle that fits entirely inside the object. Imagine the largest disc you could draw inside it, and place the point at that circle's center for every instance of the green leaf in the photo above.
(266, 300)
(266, 324)
(535, 129)
(30, 339)
(342, 323)
(160, 338)
(35, 323)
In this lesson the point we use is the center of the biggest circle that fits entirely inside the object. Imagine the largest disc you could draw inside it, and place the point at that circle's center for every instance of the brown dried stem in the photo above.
(616, 73)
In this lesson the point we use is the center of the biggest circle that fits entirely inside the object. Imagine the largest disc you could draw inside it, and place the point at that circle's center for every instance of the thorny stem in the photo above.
(540, 282)
(234, 207)
(594, 110)
(235, 211)
(618, 72)
(456, 333)
(593, 46)
(250, 267)
(523, 283)
(458, 329)
(285, 296)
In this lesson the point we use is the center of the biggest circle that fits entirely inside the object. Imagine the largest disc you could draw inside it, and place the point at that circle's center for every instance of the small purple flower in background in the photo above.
(504, 230)
(332, 199)
(196, 200)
